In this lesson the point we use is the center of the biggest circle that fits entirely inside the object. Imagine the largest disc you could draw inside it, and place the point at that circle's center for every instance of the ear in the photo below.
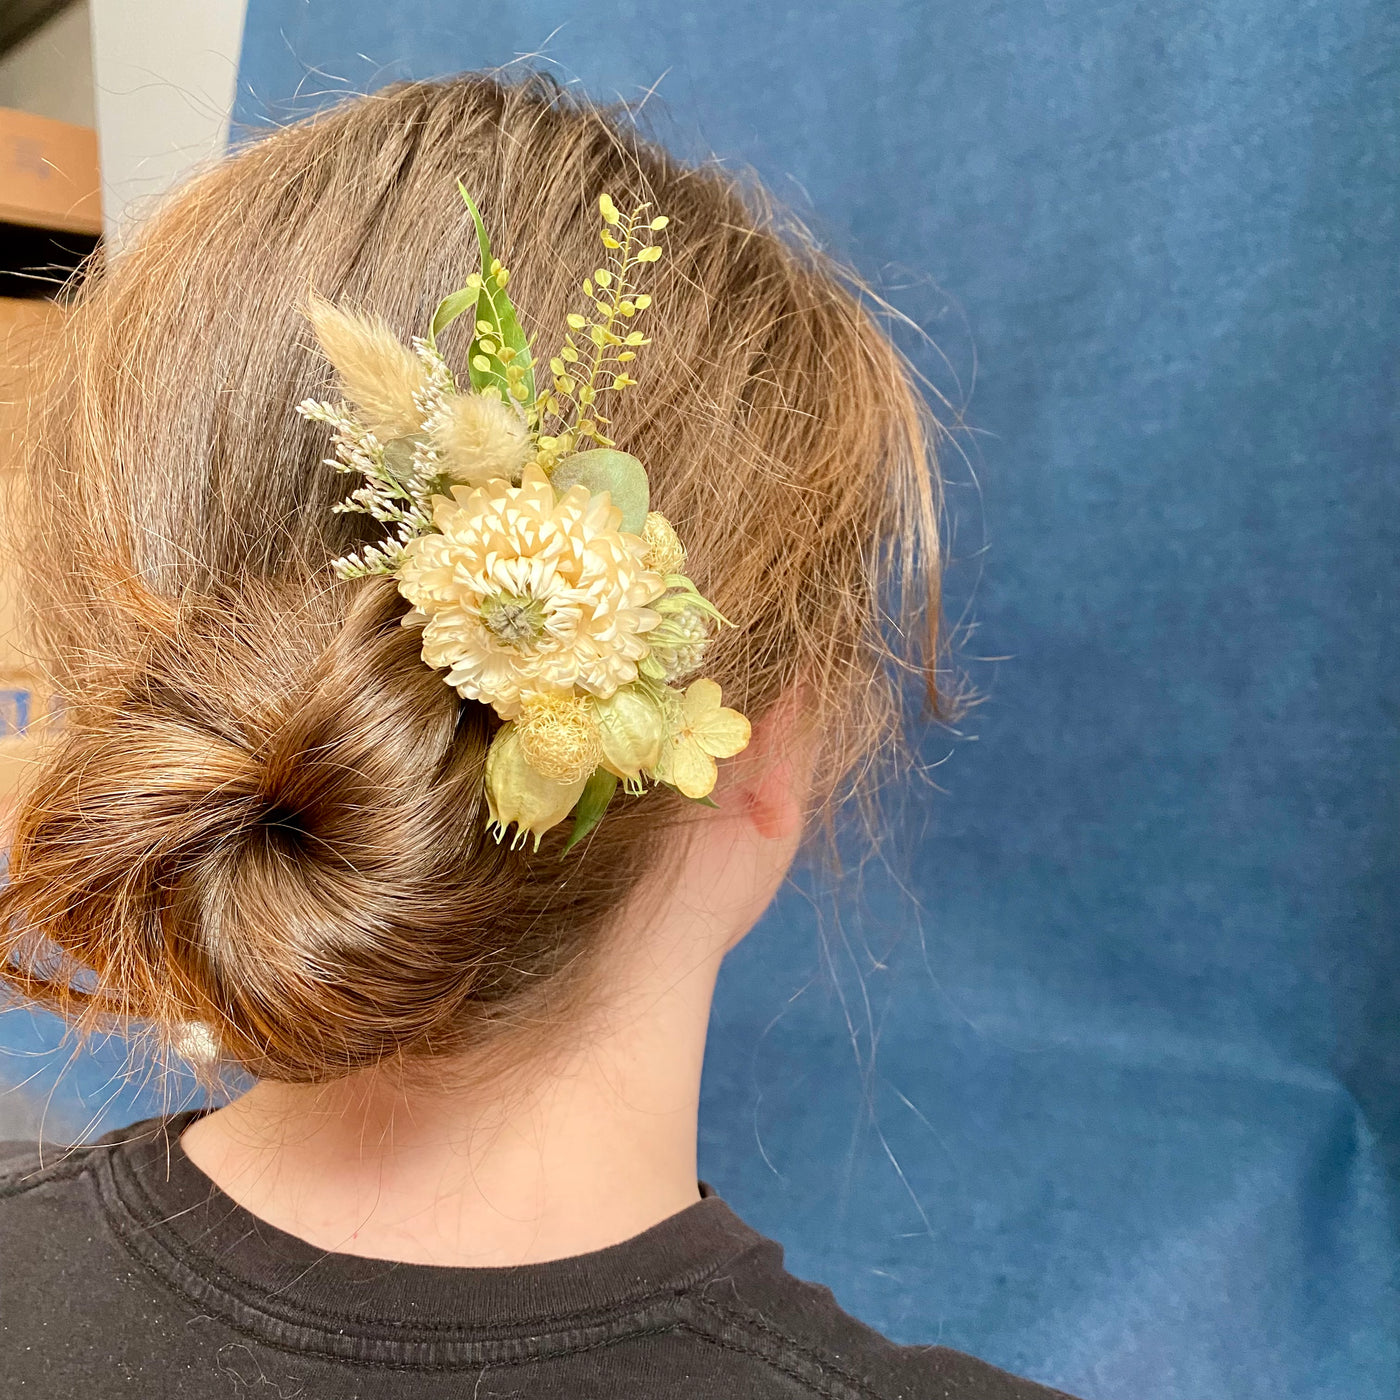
(773, 792)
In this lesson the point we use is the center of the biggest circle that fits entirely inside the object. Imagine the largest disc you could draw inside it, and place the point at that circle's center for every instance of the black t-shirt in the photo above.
(125, 1272)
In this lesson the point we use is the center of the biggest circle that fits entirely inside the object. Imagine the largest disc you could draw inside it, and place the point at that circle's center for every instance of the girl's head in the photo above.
(264, 812)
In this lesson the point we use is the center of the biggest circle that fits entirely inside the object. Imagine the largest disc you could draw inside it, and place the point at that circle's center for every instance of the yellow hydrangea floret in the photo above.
(704, 731)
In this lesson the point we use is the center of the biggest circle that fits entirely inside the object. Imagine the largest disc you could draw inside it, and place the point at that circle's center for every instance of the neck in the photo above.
(556, 1159)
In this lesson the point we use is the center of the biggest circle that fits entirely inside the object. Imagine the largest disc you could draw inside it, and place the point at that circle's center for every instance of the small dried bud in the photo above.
(665, 552)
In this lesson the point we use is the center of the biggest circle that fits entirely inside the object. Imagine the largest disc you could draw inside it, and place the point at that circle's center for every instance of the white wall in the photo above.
(50, 72)
(166, 73)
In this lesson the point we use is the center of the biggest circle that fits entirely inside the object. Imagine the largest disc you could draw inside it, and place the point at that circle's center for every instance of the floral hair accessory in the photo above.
(544, 584)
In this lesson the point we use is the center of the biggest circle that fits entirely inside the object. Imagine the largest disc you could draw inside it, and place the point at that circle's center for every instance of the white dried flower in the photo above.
(678, 645)
(479, 438)
(526, 592)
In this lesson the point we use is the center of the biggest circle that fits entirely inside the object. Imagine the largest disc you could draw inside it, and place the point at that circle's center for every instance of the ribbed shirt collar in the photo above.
(203, 1241)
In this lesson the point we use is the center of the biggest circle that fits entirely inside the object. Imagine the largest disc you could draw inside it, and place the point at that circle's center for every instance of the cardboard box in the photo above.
(48, 174)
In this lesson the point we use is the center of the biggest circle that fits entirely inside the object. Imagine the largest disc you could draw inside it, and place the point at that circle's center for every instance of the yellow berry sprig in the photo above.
(582, 374)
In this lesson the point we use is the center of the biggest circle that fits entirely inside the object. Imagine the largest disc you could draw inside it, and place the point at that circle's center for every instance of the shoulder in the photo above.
(798, 1331)
(53, 1199)
(40, 1179)
(26, 1167)
(42, 1186)
(50, 1231)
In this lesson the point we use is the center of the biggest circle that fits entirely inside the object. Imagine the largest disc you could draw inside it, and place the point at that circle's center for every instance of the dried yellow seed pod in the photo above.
(632, 726)
(518, 795)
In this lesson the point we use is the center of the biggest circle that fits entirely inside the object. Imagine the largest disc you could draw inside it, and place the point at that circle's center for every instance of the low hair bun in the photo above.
(259, 832)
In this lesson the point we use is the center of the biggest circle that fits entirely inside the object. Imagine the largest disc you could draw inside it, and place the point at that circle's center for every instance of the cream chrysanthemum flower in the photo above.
(523, 591)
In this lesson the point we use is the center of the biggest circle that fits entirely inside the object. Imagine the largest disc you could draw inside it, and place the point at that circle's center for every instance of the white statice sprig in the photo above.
(395, 499)
(399, 478)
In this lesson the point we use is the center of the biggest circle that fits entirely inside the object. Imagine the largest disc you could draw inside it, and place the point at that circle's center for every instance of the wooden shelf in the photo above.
(48, 174)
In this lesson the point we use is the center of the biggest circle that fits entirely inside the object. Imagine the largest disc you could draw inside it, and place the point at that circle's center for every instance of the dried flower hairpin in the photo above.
(544, 585)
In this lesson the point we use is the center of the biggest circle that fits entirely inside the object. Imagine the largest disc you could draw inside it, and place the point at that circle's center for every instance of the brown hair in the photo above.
(264, 812)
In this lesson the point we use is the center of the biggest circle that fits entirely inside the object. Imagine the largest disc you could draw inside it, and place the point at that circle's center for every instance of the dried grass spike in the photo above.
(378, 373)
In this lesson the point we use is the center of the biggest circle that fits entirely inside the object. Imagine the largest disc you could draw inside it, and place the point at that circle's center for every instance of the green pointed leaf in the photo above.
(449, 308)
(588, 810)
(687, 599)
(494, 307)
(700, 603)
(618, 473)
(699, 801)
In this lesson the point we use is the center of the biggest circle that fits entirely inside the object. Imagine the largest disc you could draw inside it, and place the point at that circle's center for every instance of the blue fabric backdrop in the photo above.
(1115, 1101)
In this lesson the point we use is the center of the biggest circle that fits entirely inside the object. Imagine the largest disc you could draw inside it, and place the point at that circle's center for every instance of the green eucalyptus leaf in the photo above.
(618, 473)
(493, 306)
(588, 810)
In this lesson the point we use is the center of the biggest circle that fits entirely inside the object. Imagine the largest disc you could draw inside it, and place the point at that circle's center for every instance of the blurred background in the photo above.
(1094, 1068)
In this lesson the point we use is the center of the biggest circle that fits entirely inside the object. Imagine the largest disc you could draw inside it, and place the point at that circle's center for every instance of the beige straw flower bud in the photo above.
(665, 552)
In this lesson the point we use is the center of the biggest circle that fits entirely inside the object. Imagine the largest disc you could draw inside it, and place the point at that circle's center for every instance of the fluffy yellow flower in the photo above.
(523, 591)
(517, 795)
(480, 438)
(705, 731)
(559, 736)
